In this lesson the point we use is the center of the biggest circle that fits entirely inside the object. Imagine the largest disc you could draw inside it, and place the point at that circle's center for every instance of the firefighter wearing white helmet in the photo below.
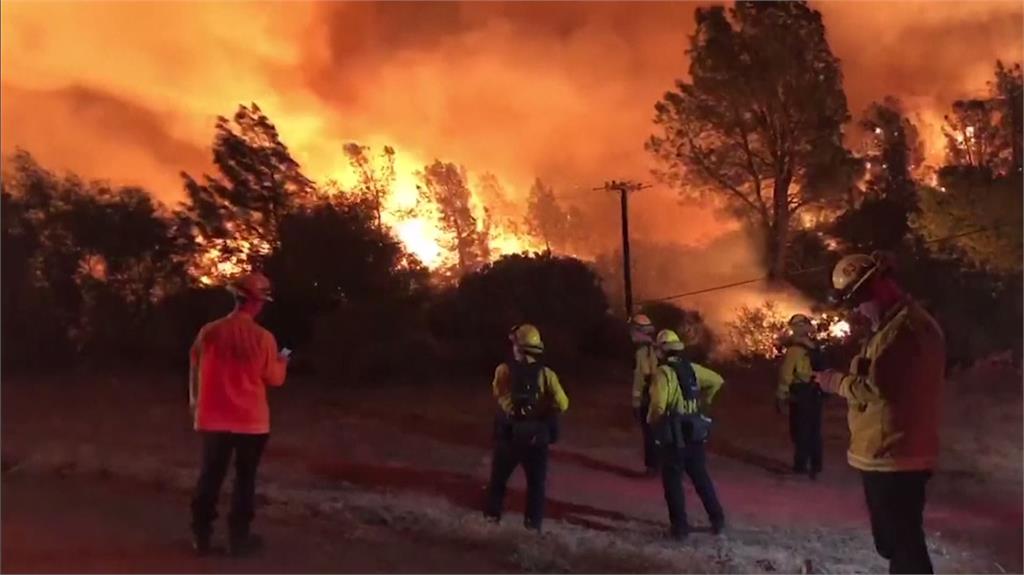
(232, 363)
(801, 392)
(894, 389)
(681, 431)
(529, 398)
(645, 363)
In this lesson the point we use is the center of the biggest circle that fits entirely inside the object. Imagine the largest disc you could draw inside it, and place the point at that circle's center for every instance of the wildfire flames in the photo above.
(839, 329)
(415, 220)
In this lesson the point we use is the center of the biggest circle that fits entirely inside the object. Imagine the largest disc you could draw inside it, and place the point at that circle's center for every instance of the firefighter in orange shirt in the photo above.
(232, 362)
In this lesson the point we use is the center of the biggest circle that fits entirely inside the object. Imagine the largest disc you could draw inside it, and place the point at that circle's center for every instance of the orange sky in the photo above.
(564, 91)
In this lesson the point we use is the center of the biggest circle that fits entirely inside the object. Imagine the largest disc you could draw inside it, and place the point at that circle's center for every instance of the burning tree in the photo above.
(980, 191)
(235, 218)
(892, 156)
(986, 132)
(445, 185)
(375, 176)
(759, 123)
(757, 330)
(549, 221)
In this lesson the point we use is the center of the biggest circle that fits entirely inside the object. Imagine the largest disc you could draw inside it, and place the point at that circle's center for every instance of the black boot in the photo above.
(244, 545)
(679, 534)
(718, 527)
(202, 546)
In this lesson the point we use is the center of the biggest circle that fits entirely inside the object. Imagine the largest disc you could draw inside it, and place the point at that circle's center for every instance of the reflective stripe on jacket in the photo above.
(894, 391)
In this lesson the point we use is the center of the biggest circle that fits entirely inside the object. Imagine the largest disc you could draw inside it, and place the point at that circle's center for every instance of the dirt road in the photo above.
(382, 477)
(100, 526)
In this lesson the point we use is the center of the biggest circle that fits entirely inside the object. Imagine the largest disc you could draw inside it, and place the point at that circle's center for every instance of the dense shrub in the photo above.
(689, 324)
(562, 296)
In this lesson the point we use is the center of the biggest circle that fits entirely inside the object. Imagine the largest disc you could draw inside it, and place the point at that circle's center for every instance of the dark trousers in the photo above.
(896, 505)
(218, 448)
(534, 459)
(650, 447)
(692, 460)
(805, 430)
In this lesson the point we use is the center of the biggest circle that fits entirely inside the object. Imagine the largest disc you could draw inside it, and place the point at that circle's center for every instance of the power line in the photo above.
(800, 272)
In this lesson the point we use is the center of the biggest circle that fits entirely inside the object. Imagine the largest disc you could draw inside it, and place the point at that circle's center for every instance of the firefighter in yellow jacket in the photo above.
(798, 388)
(530, 398)
(894, 391)
(645, 363)
(681, 431)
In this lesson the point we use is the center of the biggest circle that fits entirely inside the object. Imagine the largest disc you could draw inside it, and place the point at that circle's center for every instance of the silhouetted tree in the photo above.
(329, 255)
(894, 152)
(561, 295)
(1008, 88)
(445, 185)
(559, 227)
(376, 176)
(986, 132)
(239, 212)
(88, 262)
(759, 122)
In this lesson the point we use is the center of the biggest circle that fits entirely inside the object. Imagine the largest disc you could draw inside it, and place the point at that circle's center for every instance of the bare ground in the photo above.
(352, 475)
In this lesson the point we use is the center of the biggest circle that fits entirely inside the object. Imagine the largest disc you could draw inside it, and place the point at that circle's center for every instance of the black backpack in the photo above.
(687, 428)
(525, 391)
(528, 423)
(687, 380)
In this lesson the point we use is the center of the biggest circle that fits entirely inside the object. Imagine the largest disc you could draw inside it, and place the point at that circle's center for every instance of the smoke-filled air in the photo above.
(366, 259)
(562, 92)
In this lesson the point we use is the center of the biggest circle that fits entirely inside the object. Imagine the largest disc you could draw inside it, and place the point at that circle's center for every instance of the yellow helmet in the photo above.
(252, 286)
(853, 270)
(527, 338)
(668, 340)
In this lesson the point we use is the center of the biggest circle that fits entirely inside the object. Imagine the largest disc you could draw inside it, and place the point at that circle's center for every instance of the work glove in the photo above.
(829, 380)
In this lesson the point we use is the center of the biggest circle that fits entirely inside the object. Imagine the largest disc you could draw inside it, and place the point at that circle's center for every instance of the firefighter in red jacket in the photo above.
(894, 392)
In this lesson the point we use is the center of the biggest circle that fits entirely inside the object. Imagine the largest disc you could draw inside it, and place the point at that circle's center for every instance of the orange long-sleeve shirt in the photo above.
(233, 360)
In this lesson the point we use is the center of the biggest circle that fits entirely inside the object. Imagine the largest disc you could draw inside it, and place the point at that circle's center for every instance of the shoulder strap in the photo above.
(687, 380)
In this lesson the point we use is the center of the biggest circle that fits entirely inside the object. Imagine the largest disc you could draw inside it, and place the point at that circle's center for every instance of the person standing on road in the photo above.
(804, 396)
(681, 431)
(232, 362)
(894, 390)
(645, 363)
(530, 398)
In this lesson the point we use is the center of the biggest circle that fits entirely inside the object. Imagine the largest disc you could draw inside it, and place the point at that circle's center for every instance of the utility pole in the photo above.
(624, 188)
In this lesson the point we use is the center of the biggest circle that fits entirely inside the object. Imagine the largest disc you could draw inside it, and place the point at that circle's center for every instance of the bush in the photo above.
(689, 324)
(378, 340)
(562, 296)
(757, 331)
